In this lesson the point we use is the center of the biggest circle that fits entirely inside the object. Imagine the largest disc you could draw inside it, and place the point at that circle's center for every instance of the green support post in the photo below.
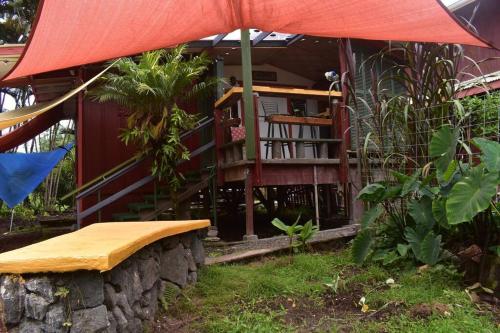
(246, 64)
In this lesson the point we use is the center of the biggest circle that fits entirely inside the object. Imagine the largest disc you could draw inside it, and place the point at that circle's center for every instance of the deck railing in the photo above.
(230, 151)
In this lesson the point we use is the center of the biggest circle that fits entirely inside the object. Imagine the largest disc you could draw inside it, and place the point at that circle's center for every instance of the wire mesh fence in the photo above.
(398, 137)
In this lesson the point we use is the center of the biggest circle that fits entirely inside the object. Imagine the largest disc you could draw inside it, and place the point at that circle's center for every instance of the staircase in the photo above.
(154, 205)
(161, 205)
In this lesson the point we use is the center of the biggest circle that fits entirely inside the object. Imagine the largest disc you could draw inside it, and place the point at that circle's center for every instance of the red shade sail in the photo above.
(70, 33)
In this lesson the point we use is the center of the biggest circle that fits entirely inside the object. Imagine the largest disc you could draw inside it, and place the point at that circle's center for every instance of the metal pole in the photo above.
(246, 63)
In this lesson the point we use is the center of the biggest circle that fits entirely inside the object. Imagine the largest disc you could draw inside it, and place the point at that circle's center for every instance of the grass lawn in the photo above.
(274, 295)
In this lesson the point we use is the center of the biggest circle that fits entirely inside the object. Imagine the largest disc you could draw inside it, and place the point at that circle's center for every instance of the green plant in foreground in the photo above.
(290, 230)
(306, 233)
(419, 206)
(302, 233)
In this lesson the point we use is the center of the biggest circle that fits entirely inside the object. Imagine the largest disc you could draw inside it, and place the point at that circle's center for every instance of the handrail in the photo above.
(100, 177)
(125, 169)
(91, 210)
(121, 169)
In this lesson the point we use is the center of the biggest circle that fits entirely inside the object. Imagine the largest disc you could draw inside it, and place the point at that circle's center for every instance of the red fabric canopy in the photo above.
(70, 33)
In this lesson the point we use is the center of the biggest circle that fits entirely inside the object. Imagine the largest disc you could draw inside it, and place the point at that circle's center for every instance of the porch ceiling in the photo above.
(72, 33)
(309, 57)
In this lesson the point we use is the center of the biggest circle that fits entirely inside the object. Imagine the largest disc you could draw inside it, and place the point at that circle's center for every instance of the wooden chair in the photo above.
(271, 108)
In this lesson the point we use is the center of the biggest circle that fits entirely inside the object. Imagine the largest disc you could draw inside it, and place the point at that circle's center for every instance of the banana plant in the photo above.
(290, 230)
(305, 234)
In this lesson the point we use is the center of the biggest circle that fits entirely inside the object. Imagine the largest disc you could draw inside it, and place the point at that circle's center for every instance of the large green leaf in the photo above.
(392, 192)
(490, 153)
(412, 183)
(446, 176)
(361, 246)
(280, 225)
(372, 192)
(371, 215)
(400, 177)
(443, 146)
(471, 195)
(414, 240)
(426, 248)
(439, 211)
(421, 213)
(430, 248)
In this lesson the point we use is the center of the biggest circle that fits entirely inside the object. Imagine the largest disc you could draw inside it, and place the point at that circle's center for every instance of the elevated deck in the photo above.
(286, 146)
(100, 246)
(306, 151)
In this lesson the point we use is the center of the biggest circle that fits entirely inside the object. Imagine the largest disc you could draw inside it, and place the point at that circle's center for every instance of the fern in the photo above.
(169, 295)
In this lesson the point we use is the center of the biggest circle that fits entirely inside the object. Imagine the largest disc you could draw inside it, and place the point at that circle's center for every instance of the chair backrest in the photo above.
(270, 108)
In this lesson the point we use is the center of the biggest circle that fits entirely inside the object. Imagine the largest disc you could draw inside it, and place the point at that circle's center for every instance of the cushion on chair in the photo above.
(238, 133)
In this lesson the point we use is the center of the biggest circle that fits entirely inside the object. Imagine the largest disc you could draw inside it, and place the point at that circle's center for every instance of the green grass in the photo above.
(235, 298)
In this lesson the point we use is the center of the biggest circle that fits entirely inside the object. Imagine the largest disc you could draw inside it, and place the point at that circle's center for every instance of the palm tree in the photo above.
(16, 17)
(153, 87)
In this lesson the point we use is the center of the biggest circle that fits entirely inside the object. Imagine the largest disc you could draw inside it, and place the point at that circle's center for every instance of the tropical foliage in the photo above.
(484, 114)
(15, 19)
(432, 203)
(154, 87)
(298, 235)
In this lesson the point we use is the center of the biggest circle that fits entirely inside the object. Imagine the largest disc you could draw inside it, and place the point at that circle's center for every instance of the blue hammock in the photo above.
(20, 174)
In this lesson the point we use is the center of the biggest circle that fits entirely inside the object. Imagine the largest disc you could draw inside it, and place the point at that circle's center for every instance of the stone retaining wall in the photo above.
(124, 299)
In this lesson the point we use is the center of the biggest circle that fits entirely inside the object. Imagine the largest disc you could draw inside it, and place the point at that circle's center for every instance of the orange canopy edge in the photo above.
(72, 33)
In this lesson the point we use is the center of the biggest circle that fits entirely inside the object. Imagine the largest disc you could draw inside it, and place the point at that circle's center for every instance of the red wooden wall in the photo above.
(103, 150)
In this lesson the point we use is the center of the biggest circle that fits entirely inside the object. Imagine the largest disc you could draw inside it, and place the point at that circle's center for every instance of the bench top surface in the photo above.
(100, 246)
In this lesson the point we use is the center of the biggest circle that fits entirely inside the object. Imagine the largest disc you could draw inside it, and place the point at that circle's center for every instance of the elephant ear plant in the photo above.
(415, 211)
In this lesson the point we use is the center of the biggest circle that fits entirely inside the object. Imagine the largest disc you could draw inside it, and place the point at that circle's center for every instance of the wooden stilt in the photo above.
(316, 201)
(249, 235)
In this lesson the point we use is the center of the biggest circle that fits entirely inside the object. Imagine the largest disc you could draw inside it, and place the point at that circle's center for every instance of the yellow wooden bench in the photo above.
(100, 246)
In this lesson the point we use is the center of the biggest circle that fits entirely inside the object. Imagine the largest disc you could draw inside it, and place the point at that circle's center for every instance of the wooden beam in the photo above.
(207, 43)
(293, 120)
(218, 39)
(260, 37)
(235, 93)
(294, 39)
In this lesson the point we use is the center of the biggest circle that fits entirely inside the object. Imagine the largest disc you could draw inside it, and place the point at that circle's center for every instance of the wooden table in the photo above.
(294, 120)
(235, 93)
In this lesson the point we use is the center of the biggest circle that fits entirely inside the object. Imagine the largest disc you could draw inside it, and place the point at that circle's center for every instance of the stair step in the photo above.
(121, 217)
(181, 189)
(140, 206)
(166, 216)
(151, 197)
